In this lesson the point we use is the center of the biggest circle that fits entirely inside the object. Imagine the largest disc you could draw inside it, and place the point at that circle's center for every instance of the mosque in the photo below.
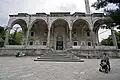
(59, 32)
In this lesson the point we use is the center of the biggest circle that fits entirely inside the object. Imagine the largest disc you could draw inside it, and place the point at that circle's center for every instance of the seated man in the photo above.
(18, 54)
(106, 59)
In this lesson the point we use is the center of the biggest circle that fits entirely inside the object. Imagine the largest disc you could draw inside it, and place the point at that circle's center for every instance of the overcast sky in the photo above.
(33, 6)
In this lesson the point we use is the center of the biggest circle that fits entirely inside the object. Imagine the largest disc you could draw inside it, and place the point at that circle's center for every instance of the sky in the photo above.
(33, 6)
(8, 7)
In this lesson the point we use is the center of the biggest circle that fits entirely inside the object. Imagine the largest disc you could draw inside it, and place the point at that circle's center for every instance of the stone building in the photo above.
(60, 31)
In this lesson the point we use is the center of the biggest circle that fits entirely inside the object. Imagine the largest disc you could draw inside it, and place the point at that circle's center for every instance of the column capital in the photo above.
(91, 30)
(70, 29)
(49, 28)
(28, 29)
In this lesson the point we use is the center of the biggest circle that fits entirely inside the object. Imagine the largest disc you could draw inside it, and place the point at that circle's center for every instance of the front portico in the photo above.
(69, 33)
(81, 33)
(62, 31)
(38, 33)
(59, 36)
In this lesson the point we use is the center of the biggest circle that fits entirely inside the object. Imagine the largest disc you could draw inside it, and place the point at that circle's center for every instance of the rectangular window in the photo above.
(88, 34)
(75, 43)
(32, 33)
(44, 43)
(31, 43)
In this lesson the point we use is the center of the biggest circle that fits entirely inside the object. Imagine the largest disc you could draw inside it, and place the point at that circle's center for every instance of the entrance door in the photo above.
(59, 45)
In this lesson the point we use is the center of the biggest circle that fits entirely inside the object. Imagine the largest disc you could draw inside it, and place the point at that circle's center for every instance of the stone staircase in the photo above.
(59, 56)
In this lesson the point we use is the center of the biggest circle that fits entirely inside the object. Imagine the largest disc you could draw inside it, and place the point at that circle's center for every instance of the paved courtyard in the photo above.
(25, 68)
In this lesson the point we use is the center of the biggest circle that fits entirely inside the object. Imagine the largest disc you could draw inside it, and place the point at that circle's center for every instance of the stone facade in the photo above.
(83, 52)
(58, 31)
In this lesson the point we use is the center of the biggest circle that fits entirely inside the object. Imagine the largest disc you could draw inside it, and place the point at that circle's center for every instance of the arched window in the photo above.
(32, 33)
(44, 43)
(31, 42)
(96, 44)
(89, 43)
(88, 34)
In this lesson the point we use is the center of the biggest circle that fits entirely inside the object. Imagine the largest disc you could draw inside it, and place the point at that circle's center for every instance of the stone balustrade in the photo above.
(119, 52)
(81, 50)
(105, 47)
(37, 47)
(73, 47)
(96, 47)
(83, 47)
(26, 47)
(14, 46)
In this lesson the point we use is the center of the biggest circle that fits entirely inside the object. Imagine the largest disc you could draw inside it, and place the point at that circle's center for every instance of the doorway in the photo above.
(59, 45)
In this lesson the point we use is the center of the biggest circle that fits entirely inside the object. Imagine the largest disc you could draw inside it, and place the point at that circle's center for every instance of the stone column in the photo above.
(97, 39)
(27, 35)
(70, 37)
(87, 6)
(93, 37)
(48, 38)
(28, 31)
(114, 37)
(7, 37)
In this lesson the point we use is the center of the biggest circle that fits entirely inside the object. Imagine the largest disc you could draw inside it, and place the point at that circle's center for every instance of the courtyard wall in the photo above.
(83, 52)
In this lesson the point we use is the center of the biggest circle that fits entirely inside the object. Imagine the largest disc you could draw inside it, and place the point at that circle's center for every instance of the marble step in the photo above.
(44, 57)
(54, 57)
(59, 60)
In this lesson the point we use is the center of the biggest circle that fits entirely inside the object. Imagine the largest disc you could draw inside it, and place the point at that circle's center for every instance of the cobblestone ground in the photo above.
(26, 68)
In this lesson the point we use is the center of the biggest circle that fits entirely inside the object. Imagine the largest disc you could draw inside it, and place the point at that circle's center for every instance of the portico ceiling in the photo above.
(60, 23)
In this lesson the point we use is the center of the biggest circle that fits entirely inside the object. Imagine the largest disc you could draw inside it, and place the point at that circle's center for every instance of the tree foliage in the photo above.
(12, 41)
(2, 36)
(109, 42)
(103, 3)
(17, 39)
(114, 13)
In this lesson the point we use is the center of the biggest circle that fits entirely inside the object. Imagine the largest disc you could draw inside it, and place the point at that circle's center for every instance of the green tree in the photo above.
(15, 39)
(19, 36)
(114, 13)
(103, 3)
(2, 36)
(112, 17)
(109, 42)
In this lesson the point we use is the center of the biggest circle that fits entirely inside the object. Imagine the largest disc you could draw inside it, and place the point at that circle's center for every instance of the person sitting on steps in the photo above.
(106, 59)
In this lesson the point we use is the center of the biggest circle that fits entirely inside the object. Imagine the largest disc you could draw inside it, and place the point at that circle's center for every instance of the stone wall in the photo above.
(28, 52)
(119, 52)
(48, 52)
(94, 53)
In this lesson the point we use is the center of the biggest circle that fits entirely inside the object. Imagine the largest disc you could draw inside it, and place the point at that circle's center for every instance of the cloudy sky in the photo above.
(33, 6)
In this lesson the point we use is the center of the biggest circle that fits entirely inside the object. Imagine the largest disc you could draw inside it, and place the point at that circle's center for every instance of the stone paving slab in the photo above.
(25, 68)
